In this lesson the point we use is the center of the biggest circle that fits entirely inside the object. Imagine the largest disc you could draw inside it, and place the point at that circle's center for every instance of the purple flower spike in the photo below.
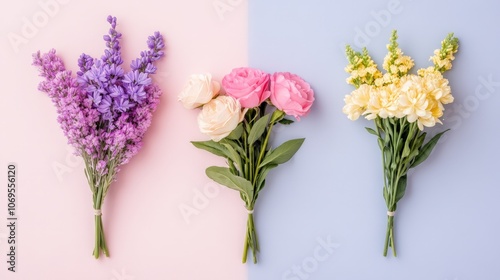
(145, 63)
(104, 111)
(85, 62)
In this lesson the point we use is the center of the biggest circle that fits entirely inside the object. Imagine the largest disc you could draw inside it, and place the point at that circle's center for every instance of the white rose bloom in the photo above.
(199, 90)
(220, 117)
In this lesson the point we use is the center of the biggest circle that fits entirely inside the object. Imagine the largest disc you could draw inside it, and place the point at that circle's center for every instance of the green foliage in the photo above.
(283, 153)
(250, 159)
(225, 177)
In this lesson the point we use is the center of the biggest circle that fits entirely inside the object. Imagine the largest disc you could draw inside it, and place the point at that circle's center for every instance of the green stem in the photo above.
(389, 237)
(264, 146)
(393, 130)
(255, 243)
(103, 240)
(245, 249)
(97, 245)
(387, 233)
(250, 240)
(100, 242)
(255, 157)
(252, 170)
(378, 126)
(393, 244)
(247, 159)
(263, 149)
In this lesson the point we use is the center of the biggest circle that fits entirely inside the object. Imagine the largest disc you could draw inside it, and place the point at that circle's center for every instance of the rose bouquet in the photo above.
(103, 111)
(401, 105)
(239, 123)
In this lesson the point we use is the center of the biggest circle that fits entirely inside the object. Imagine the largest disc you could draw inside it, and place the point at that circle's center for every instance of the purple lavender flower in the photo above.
(113, 73)
(97, 97)
(75, 114)
(85, 62)
(104, 111)
(122, 104)
(155, 45)
(116, 91)
(137, 78)
(113, 91)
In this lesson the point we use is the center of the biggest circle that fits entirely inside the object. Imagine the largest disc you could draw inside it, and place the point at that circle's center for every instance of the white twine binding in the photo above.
(250, 211)
(391, 214)
(97, 212)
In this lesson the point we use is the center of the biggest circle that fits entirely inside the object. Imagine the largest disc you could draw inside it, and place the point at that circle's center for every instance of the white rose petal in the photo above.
(220, 117)
(199, 90)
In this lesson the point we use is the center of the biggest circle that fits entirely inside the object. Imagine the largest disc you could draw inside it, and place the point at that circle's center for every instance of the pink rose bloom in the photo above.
(248, 85)
(291, 94)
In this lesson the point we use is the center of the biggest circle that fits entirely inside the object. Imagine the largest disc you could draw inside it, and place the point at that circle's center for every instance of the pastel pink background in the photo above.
(148, 237)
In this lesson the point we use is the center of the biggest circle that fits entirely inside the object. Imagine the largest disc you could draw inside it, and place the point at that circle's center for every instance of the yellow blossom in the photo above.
(420, 98)
(395, 63)
(362, 68)
(383, 103)
(443, 57)
(413, 101)
(356, 102)
(437, 87)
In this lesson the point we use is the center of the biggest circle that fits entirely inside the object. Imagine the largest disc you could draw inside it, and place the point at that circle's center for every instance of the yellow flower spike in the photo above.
(362, 68)
(395, 63)
(443, 57)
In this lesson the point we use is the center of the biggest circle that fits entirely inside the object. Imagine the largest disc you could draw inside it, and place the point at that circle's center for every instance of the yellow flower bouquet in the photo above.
(401, 105)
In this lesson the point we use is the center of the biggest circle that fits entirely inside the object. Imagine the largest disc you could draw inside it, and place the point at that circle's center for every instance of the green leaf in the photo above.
(388, 128)
(236, 133)
(233, 156)
(401, 188)
(410, 157)
(240, 151)
(388, 157)
(421, 139)
(400, 148)
(283, 153)
(371, 131)
(232, 167)
(380, 144)
(285, 121)
(223, 176)
(426, 149)
(406, 150)
(211, 146)
(262, 176)
(258, 129)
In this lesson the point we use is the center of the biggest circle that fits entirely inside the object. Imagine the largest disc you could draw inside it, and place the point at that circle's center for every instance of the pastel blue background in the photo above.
(447, 225)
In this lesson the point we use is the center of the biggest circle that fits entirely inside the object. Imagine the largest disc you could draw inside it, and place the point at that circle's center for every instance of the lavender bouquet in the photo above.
(103, 111)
